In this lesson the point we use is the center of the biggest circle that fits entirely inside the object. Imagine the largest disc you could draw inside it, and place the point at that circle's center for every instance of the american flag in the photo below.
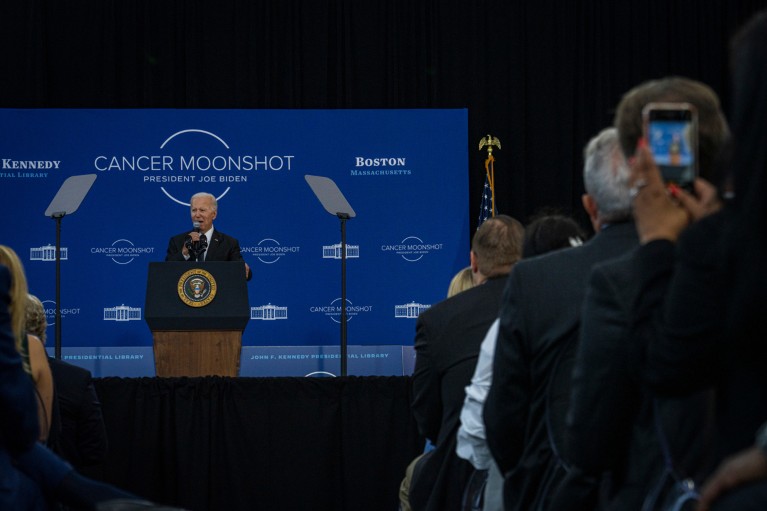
(486, 208)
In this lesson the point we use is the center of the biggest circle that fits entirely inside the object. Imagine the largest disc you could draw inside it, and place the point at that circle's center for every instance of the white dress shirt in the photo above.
(472, 445)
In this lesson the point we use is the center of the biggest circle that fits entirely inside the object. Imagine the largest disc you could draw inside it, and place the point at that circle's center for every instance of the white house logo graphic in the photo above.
(334, 251)
(269, 312)
(412, 248)
(47, 253)
(409, 310)
(122, 251)
(333, 311)
(269, 250)
(49, 306)
(122, 313)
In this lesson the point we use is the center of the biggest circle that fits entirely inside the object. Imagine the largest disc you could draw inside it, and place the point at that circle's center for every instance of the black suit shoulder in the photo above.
(69, 372)
(82, 438)
(605, 375)
(448, 337)
(541, 308)
(224, 237)
(468, 301)
(456, 326)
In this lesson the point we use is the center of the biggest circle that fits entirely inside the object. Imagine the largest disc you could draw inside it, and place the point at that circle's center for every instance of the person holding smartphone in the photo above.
(610, 430)
(704, 307)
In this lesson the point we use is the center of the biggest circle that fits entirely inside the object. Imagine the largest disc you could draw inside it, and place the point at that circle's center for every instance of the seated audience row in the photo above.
(543, 234)
(447, 341)
(32, 477)
(625, 370)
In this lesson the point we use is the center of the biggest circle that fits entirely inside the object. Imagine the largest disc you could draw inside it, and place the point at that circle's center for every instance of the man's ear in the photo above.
(590, 205)
(473, 262)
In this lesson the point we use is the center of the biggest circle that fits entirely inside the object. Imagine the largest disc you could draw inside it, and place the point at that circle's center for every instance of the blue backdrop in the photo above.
(403, 171)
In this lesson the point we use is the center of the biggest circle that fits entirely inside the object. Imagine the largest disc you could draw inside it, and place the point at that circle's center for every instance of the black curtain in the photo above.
(541, 75)
(320, 444)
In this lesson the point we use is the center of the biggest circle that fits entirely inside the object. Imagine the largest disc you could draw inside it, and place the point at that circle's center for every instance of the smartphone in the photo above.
(671, 131)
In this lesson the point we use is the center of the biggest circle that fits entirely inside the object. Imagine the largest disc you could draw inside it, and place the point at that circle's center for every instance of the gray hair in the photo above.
(199, 195)
(605, 176)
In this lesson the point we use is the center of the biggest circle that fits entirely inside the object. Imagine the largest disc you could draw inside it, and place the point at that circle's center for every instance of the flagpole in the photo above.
(490, 173)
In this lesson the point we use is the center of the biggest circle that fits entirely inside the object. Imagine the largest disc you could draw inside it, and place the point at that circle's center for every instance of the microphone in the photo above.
(196, 226)
(193, 246)
(200, 246)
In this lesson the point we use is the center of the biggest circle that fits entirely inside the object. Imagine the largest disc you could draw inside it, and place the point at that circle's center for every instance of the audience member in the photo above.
(204, 243)
(545, 233)
(611, 425)
(31, 349)
(447, 342)
(78, 433)
(540, 316)
(740, 482)
(32, 477)
(551, 231)
(700, 303)
(19, 428)
(461, 281)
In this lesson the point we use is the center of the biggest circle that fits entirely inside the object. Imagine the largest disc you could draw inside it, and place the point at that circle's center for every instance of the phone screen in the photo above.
(671, 131)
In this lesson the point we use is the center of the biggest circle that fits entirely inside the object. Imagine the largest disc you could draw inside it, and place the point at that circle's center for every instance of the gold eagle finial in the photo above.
(489, 141)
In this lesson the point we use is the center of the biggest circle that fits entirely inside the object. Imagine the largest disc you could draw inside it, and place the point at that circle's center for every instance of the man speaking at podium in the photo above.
(204, 243)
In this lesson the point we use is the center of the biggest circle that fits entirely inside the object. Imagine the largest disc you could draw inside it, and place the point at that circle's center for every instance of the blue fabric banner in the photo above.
(403, 171)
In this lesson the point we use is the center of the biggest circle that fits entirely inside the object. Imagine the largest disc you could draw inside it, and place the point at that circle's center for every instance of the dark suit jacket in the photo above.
(448, 337)
(541, 307)
(80, 435)
(221, 248)
(683, 303)
(611, 426)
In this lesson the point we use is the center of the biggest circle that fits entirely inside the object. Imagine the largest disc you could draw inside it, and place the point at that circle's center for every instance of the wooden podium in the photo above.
(197, 312)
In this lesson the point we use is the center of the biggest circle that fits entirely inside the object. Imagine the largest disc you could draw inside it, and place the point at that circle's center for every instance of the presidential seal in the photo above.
(196, 288)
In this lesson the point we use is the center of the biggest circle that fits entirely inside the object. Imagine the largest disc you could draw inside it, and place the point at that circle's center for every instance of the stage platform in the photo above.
(213, 443)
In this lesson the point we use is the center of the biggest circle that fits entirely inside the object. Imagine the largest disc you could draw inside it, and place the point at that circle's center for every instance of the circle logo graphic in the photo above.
(204, 132)
(410, 254)
(269, 246)
(50, 311)
(197, 288)
(124, 249)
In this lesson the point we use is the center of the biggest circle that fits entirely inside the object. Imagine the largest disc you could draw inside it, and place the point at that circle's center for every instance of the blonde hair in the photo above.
(18, 292)
(461, 281)
(36, 321)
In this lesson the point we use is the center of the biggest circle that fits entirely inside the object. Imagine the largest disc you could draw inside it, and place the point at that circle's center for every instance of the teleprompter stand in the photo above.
(67, 200)
(336, 204)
